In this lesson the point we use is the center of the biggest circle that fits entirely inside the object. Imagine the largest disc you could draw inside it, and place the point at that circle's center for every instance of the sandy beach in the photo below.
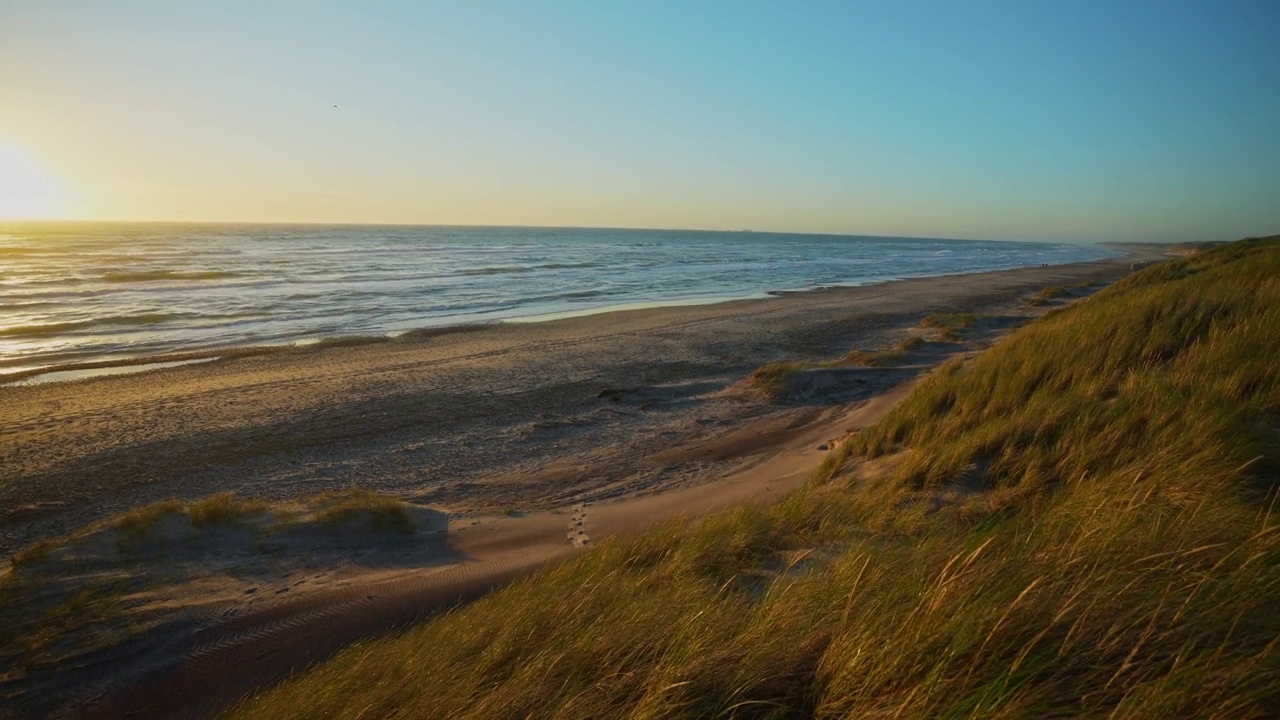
(526, 442)
(475, 420)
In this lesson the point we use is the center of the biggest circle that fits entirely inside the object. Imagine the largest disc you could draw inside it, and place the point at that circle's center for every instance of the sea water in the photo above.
(74, 293)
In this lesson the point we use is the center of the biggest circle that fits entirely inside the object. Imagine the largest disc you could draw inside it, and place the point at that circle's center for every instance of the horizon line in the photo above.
(747, 231)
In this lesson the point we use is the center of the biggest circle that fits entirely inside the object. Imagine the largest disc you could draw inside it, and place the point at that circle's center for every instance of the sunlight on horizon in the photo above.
(25, 193)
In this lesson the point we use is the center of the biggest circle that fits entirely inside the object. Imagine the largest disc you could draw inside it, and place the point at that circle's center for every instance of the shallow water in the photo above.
(93, 292)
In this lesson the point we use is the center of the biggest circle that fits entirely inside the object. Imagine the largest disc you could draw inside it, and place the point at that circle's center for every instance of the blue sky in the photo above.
(1021, 120)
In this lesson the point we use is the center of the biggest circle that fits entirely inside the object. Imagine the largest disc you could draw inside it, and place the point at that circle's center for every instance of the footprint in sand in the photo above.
(578, 526)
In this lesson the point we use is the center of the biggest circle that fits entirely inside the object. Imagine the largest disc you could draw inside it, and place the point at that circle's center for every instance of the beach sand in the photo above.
(527, 441)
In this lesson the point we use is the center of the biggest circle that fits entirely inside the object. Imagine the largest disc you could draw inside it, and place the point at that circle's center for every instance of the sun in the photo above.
(24, 192)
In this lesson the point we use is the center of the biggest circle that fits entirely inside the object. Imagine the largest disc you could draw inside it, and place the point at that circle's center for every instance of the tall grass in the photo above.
(1077, 522)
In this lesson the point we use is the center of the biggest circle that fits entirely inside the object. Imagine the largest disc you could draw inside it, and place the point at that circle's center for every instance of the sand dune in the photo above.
(239, 655)
(531, 442)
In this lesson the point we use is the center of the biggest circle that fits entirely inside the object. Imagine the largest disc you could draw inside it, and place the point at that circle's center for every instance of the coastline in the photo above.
(502, 435)
(354, 410)
(78, 370)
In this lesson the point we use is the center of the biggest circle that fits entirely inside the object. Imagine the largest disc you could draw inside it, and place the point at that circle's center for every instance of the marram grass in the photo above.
(1076, 523)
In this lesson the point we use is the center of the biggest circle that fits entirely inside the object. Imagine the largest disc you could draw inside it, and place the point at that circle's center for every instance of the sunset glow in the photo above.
(24, 192)
(922, 120)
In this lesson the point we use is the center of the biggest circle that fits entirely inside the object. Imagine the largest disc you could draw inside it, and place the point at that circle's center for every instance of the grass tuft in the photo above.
(223, 509)
(951, 326)
(772, 379)
(355, 506)
(135, 526)
(910, 344)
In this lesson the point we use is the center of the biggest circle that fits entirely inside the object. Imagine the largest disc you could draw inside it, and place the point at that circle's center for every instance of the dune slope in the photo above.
(1077, 522)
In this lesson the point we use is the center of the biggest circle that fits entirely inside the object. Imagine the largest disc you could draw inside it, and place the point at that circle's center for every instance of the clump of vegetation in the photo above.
(1050, 293)
(771, 378)
(34, 642)
(111, 582)
(135, 526)
(356, 506)
(223, 509)
(951, 326)
(772, 374)
(1057, 291)
(1077, 522)
(880, 358)
(910, 344)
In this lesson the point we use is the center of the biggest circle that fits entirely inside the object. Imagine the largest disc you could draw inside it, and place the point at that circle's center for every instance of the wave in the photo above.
(100, 293)
(19, 250)
(153, 275)
(62, 328)
(565, 266)
(496, 270)
(568, 295)
(509, 269)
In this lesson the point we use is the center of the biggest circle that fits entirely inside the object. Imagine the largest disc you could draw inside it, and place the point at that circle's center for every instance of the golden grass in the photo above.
(874, 358)
(65, 599)
(1077, 522)
(354, 506)
(135, 526)
(770, 376)
(223, 509)
(950, 326)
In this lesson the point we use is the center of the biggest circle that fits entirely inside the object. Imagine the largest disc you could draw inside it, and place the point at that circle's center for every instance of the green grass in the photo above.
(1076, 522)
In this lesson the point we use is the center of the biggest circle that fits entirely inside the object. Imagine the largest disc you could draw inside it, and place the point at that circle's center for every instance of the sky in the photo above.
(1084, 120)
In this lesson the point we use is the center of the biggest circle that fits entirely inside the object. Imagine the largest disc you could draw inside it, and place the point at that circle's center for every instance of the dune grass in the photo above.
(136, 529)
(1054, 292)
(876, 358)
(1077, 522)
(381, 512)
(770, 377)
(65, 598)
(950, 326)
(223, 509)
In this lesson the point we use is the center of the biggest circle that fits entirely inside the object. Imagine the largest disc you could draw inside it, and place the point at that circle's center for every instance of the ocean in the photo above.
(79, 293)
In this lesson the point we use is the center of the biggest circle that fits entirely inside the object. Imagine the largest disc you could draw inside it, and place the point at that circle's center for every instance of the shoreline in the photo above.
(80, 370)
(435, 413)
(502, 437)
